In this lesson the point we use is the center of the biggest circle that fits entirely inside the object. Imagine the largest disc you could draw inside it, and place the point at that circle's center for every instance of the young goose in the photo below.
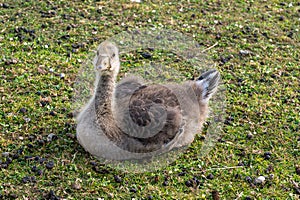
(132, 120)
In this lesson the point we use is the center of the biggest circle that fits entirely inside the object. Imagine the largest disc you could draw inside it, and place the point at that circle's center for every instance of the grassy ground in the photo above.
(260, 134)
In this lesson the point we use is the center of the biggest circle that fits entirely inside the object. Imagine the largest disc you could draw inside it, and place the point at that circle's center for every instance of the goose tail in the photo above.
(208, 83)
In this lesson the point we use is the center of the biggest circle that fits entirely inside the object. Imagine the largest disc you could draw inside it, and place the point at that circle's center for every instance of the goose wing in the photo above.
(154, 115)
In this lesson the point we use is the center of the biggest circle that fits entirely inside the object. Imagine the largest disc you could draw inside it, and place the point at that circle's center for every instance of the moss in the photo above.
(41, 40)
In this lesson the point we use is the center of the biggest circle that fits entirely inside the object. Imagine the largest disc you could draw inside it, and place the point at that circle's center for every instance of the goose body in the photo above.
(133, 120)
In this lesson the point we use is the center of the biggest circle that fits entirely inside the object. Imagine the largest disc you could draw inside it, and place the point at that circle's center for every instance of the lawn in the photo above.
(254, 44)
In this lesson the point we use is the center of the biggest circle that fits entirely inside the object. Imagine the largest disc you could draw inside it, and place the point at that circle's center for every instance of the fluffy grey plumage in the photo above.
(132, 120)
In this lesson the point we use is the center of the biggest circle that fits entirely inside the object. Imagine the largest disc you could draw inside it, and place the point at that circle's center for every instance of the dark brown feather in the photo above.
(152, 108)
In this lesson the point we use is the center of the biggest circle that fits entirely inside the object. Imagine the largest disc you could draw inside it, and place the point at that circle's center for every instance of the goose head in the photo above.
(108, 58)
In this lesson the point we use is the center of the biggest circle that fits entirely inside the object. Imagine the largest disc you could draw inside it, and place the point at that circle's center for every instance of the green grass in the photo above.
(262, 96)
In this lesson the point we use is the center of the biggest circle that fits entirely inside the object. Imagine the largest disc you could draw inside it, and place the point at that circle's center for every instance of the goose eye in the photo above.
(113, 55)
